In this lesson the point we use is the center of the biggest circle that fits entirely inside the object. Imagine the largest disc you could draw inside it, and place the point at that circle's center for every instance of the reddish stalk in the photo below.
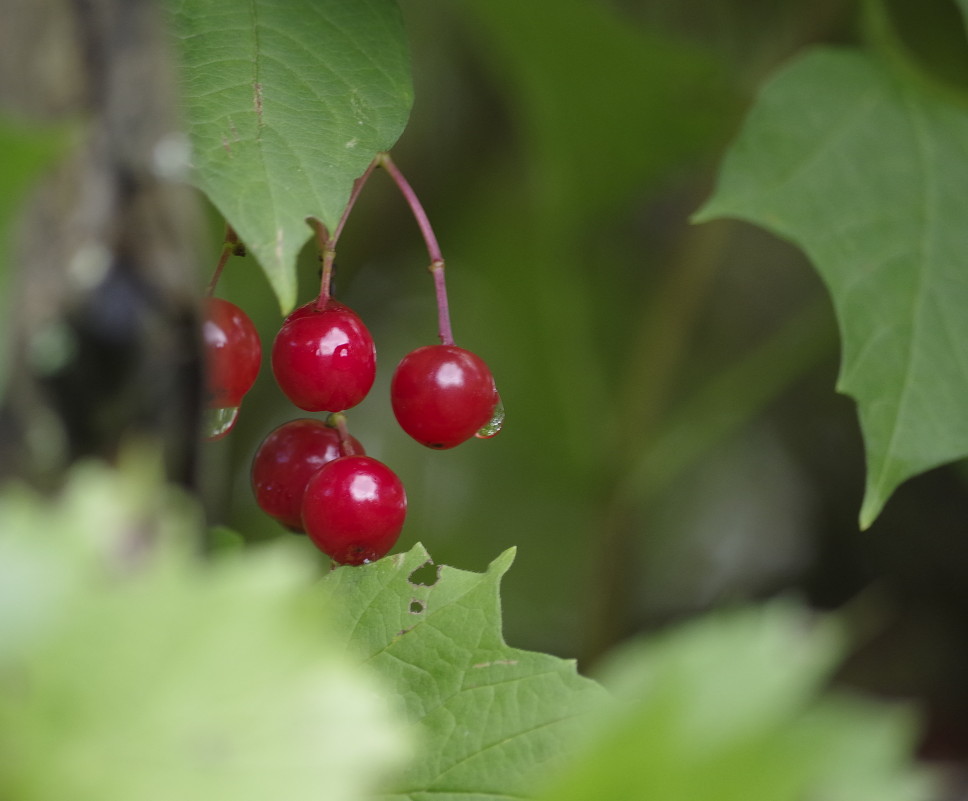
(327, 242)
(327, 254)
(337, 420)
(230, 245)
(433, 247)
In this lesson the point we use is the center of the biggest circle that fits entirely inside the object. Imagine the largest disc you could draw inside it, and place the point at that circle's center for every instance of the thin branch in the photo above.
(433, 247)
(230, 246)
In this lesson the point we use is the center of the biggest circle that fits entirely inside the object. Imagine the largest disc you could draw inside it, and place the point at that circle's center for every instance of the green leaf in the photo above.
(286, 105)
(490, 717)
(866, 172)
(130, 669)
(731, 708)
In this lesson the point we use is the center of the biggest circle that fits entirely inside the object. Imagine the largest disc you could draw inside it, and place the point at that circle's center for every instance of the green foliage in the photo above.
(559, 149)
(733, 708)
(131, 669)
(491, 718)
(865, 170)
(286, 105)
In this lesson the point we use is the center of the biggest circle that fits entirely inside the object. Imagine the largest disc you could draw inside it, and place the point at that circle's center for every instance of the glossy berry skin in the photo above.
(442, 395)
(324, 359)
(233, 353)
(354, 509)
(285, 461)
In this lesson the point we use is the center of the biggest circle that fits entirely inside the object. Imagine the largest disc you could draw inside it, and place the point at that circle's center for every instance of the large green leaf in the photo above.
(490, 717)
(866, 171)
(286, 104)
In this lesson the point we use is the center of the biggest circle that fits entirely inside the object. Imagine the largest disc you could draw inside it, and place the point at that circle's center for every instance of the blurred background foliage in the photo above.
(673, 440)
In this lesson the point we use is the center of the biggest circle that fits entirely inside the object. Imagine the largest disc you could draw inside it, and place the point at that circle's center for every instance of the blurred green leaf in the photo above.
(287, 104)
(866, 172)
(731, 708)
(729, 399)
(223, 538)
(25, 151)
(131, 669)
(489, 716)
(605, 105)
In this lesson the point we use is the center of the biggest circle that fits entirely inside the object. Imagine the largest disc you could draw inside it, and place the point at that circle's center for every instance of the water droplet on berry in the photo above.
(493, 426)
(216, 423)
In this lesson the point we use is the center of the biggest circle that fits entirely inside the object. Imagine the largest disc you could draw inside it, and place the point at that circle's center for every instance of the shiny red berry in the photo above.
(442, 395)
(233, 354)
(354, 509)
(324, 359)
(286, 460)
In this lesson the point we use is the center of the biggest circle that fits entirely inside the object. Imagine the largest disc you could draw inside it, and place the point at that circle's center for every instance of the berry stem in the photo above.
(327, 242)
(337, 420)
(230, 246)
(327, 254)
(443, 312)
(357, 188)
(433, 247)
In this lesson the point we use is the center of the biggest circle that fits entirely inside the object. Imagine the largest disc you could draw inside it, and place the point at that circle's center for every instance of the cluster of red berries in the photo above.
(312, 475)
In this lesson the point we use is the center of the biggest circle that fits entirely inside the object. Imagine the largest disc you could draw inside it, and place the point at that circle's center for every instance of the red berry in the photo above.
(324, 359)
(442, 395)
(233, 354)
(353, 509)
(286, 460)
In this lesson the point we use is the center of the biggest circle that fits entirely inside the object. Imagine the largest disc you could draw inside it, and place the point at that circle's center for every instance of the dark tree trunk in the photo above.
(102, 332)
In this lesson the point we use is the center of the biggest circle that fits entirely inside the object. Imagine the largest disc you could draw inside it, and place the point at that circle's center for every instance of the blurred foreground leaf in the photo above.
(866, 171)
(490, 717)
(287, 104)
(732, 708)
(130, 669)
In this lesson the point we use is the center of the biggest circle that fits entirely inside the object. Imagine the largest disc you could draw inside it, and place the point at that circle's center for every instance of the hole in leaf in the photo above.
(417, 606)
(426, 575)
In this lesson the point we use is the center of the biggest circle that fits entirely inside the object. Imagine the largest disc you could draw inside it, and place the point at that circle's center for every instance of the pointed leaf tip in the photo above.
(503, 563)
